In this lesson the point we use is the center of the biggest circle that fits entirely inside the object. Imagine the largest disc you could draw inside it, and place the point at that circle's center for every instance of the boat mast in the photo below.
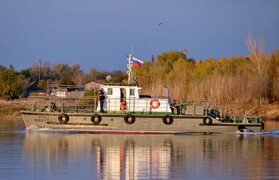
(129, 66)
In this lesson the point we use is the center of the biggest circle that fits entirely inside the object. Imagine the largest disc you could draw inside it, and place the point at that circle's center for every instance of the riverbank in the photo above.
(266, 111)
(13, 107)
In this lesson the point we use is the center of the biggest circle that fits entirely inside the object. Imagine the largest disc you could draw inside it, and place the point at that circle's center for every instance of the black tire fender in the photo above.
(167, 119)
(63, 118)
(96, 119)
(207, 121)
(129, 119)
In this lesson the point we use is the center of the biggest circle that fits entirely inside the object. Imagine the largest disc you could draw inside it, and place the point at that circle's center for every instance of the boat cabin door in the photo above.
(122, 94)
(123, 99)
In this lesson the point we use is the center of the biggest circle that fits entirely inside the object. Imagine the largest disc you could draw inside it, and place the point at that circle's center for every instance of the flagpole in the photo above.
(129, 66)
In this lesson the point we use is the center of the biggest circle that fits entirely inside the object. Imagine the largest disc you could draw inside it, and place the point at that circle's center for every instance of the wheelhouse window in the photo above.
(110, 91)
(132, 92)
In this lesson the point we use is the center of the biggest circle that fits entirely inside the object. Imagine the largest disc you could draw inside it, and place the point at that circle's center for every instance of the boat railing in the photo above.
(63, 104)
(133, 105)
(228, 116)
(113, 105)
(143, 105)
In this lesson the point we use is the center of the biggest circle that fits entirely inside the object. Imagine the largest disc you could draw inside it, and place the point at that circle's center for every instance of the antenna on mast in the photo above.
(132, 50)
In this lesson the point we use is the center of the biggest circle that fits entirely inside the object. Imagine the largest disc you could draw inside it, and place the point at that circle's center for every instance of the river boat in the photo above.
(123, 109)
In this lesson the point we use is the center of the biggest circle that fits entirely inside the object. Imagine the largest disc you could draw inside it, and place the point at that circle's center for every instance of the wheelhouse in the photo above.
(128, 99)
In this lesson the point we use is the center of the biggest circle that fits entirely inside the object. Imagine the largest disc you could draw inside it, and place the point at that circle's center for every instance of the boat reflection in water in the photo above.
(154, 157)
(133, 158)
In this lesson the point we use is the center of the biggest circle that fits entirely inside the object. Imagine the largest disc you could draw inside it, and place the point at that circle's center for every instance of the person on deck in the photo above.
(102, 99)
(123, 105)
(177, 106)
(171, 103)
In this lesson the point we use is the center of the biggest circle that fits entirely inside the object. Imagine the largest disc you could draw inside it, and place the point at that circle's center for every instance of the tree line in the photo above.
(252, 79)
(12, 82)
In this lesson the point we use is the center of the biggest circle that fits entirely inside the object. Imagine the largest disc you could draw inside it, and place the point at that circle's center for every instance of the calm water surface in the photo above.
(88, 156)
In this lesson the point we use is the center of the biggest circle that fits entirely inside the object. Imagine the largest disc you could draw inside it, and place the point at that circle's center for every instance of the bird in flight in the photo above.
(160, 24)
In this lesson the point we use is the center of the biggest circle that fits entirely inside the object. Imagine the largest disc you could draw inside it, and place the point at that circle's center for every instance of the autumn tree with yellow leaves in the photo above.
(253, 79)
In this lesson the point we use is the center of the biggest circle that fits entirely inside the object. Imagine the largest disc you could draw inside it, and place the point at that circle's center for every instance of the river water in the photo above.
(89, 156)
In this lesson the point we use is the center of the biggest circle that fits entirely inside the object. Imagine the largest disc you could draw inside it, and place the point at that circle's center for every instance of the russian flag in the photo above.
(137, 62)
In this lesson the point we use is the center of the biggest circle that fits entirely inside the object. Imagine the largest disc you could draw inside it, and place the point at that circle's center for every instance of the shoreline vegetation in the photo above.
(239, 83)
(10, 109)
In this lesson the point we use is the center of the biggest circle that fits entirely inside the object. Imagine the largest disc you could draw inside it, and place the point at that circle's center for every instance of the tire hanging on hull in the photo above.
(96, 119)
(167, 119)
(63, 118)
(129, 119)
(207, 121)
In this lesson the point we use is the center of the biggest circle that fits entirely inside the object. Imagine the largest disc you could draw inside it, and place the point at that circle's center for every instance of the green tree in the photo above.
(77, 77)
(11, 84)
(2, 68)
(63, 74)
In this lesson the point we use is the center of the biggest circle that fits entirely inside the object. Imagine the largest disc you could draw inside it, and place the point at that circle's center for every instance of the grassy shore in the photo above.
(12, 108)
(270, 111)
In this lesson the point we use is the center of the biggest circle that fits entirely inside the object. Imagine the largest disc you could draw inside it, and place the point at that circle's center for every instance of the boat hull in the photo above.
(143, 124)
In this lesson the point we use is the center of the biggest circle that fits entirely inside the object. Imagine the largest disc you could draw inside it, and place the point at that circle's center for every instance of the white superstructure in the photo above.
(115, 95)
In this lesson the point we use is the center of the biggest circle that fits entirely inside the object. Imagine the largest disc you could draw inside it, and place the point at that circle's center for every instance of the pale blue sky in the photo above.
(100, 33)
